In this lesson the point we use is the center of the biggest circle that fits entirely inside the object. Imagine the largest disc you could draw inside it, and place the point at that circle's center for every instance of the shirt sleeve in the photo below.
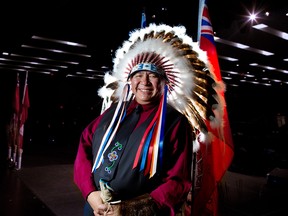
(83, 176)
(177, 182)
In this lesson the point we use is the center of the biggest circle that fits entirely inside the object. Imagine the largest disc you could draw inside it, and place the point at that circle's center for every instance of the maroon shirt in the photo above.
(176, 182)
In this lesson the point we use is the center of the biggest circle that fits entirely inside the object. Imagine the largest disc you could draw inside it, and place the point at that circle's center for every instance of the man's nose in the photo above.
(145, 79)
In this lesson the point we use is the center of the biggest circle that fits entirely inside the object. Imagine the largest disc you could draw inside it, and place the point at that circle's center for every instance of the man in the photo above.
(135, 158)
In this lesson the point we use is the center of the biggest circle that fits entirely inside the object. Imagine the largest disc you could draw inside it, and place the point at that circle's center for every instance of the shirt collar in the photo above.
(145, 107)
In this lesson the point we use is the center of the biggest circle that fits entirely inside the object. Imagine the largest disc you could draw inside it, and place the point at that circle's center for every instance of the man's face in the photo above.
(147, 86)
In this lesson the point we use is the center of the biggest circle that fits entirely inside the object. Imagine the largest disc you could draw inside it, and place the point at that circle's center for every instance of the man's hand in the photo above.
(96, 203)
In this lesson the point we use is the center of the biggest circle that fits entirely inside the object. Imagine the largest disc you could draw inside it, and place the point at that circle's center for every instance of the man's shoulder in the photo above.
(174, 115)
(172, 111)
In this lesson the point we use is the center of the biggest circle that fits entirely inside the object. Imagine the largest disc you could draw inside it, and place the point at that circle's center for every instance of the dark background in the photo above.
(61, 106)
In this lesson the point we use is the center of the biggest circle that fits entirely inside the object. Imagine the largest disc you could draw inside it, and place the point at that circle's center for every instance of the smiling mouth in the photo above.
(145, 90)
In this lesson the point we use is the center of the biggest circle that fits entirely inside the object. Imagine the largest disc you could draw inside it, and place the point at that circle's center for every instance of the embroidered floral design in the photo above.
(113, 156)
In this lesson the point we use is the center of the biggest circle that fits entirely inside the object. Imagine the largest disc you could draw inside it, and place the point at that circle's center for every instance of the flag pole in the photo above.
(195, 159)
(200, 14)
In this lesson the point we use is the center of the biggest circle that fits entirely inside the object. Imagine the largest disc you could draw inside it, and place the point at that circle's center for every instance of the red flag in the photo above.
(13, 126)
(16, 111)
(24, 112)
(16, 102)
(217, 156)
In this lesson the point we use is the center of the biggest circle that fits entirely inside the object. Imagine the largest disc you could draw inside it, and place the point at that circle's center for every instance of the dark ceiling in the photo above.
(30, 31)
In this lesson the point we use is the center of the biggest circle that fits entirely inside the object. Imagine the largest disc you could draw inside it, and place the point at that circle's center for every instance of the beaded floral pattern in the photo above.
(113, 156)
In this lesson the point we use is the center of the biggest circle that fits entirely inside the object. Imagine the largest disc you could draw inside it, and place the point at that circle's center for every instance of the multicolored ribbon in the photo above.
(119, 114)
(152, 141)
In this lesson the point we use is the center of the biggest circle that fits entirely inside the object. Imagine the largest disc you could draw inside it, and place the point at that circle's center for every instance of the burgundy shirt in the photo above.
(176, 182)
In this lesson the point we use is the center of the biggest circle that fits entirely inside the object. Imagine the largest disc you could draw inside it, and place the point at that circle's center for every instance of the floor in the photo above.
(16, 198)
(245, 195)
(44, 187)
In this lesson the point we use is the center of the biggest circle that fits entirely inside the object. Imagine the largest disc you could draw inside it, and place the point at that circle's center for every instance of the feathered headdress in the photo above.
(192, 88)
